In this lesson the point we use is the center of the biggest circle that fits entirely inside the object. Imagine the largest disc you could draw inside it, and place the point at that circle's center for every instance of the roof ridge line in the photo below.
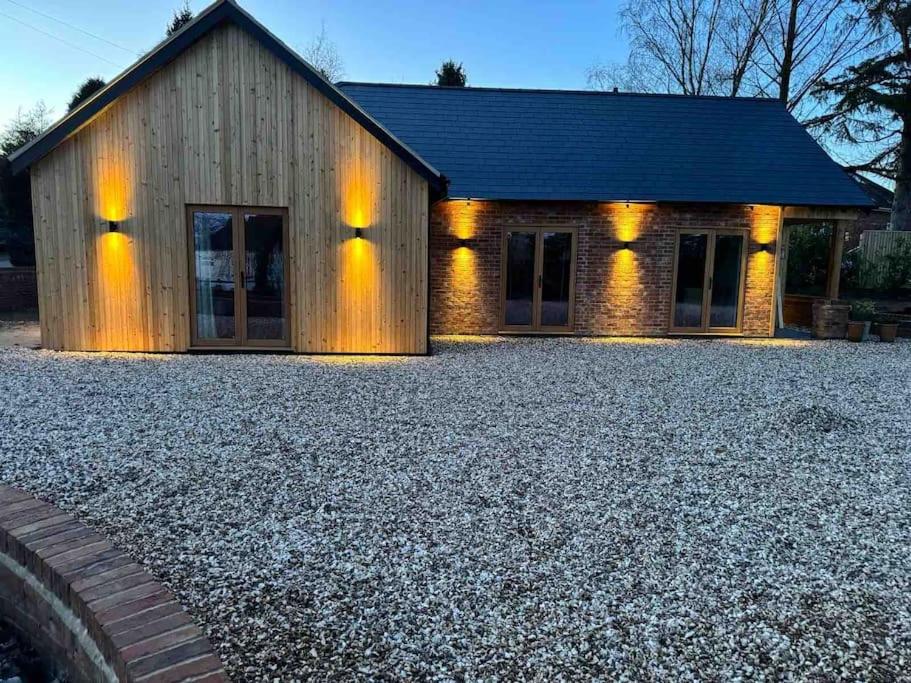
(554, 91)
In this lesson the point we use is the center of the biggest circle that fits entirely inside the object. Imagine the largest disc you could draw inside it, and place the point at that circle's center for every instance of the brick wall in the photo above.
(87, 606)
(618, 291)
(872, 220)
(18, 289)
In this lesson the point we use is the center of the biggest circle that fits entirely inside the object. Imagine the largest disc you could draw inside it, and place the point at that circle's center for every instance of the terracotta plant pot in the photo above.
(858, 330)
(888, 332)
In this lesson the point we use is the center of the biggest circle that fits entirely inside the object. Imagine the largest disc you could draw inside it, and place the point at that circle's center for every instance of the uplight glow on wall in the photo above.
(462, 215)
(627, 218)
(359, 185)
(462, 271)
(623, 283)
(112, 184)
(118, 319)
(760, 284)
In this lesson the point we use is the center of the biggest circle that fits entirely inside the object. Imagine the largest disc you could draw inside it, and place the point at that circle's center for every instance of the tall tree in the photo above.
(16, 190)
(677, 40)
(181, 18)
(776, 48)
(452, 74)
(323, 54)
(805, 41)
(873, 102)
(88, 88)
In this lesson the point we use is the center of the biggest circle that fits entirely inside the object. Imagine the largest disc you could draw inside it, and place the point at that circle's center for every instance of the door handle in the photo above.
(243, 280)
(539, 282)
(711, 280)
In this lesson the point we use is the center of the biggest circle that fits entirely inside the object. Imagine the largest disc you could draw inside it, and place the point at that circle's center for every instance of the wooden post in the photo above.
(836, 248)
(781, 270)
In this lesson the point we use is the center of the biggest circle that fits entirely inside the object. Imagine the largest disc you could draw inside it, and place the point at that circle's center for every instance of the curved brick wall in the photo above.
(90, 607)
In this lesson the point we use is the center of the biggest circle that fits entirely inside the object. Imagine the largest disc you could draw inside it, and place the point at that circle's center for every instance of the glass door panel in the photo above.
(240, 276)
(213, 258)
(556, 270)
(725, 281)
(264, 277)
(518, 305)
(692, 256)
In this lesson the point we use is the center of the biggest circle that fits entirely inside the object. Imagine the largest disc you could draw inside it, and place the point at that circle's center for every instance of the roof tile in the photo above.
(579, 145)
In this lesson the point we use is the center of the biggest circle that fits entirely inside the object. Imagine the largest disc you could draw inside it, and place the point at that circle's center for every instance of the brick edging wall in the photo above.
(18, 289)
(88, 606)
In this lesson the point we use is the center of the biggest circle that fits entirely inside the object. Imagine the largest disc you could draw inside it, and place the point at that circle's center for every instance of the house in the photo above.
(876, 219)
(221, 194)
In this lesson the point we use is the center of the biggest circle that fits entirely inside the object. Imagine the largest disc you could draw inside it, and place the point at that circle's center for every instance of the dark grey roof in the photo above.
(881, 196)
(583, 145)
(216, 14)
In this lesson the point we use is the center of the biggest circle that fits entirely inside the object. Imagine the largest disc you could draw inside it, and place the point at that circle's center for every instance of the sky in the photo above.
(512, 43)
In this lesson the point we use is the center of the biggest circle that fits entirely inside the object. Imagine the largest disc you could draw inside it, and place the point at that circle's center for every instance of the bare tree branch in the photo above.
(323, 54)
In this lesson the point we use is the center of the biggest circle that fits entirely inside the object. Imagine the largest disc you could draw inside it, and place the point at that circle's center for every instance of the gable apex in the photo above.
(213, 16)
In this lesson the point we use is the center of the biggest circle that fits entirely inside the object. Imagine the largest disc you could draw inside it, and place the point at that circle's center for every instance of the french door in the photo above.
(239, 276)
(537, 274)
(709, 273)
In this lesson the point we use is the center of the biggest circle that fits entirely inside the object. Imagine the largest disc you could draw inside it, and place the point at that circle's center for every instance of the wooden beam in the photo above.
(781, 271)
(820, 213)
(836, 248)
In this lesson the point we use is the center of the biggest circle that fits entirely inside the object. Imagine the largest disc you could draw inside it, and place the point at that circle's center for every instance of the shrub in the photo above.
(863, 310)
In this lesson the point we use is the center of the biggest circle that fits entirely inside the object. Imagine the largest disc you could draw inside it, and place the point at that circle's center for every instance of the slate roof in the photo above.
(881, 196)
(582, 145)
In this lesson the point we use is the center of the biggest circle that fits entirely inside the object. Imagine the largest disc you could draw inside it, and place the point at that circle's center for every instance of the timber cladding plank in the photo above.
(227, 123)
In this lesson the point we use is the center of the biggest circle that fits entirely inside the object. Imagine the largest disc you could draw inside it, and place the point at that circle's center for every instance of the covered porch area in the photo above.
(812, 245)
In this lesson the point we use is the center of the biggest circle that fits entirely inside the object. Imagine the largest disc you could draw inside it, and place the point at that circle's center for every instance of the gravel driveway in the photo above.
(551, 508)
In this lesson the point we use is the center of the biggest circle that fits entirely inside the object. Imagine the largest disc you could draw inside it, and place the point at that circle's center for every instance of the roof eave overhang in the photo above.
(220, 12)
(631, 200)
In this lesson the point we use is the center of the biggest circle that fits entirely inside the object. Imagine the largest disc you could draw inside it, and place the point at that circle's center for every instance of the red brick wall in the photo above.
(618, 292)
(18, 289)
(873, 220)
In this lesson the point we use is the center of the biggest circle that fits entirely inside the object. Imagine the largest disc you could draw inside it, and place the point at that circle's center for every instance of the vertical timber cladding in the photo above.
(228, 123)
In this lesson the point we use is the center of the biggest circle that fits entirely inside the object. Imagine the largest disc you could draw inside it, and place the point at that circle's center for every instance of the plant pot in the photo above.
(830, 319)
(858, 330)
(888, 332)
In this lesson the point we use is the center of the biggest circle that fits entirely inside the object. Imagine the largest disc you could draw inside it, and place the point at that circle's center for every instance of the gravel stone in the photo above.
(505, 509)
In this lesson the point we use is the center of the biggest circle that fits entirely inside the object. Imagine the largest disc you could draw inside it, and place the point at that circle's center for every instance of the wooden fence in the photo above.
(876, 246)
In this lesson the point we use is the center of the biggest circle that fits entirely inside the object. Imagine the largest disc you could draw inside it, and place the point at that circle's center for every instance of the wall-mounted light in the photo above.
(463, 242)
(113, 226)
(626, 245)
(358, 233)
(766, 247)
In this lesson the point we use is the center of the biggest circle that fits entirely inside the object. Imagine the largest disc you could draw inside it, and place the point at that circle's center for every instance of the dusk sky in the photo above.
(501, 43)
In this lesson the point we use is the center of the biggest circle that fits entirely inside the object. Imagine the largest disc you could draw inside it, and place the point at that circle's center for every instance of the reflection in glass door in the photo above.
(724, 283)
(689, 297)
(708, 281)
(538, 275)
(519, 303)
(240, 273)
(264, 276)
(556, 278)
(213, 261)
